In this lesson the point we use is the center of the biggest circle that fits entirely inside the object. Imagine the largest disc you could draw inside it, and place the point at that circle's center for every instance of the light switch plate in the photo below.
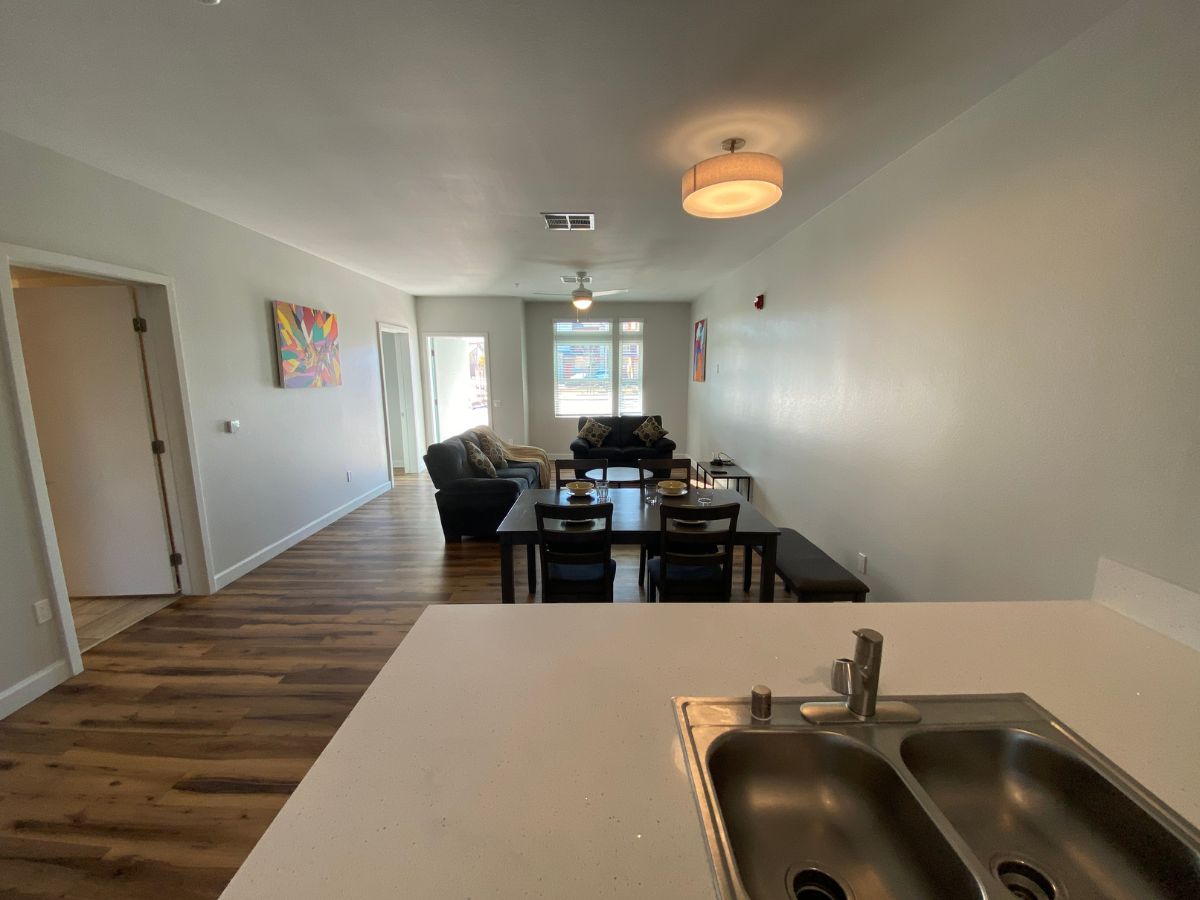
(862, 563)
(42, 610)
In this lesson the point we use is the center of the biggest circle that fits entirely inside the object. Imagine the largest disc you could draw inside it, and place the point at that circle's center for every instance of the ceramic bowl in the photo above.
(672, 488)
(579, 488)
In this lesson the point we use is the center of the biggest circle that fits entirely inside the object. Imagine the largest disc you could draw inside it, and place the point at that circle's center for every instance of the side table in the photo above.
(732, 475)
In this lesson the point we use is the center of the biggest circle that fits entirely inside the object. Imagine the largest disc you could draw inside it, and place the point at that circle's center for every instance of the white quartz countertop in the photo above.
(532, 751)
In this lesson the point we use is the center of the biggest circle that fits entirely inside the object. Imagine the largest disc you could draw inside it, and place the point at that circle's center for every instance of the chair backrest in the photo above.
(662, 469)
(566, 545)
(691, 545)
(576, 470)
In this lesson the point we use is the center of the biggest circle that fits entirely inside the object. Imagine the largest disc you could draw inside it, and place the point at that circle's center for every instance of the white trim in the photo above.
(34, 686)
(252, 562)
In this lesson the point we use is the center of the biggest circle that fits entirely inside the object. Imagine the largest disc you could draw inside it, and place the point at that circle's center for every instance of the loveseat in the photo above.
(621, 445)
(469, 504)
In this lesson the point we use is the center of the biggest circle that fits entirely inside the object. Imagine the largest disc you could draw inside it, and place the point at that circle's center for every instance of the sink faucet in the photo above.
(858, 678)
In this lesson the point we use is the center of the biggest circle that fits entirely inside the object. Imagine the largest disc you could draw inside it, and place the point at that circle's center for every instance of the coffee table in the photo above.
(619, 475)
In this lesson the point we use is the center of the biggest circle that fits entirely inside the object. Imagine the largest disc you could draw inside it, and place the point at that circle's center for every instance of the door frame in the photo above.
(410, 425)
(427, 373)
(185, 500)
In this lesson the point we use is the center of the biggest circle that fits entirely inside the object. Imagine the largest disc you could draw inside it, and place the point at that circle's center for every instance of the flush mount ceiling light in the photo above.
(732, 184)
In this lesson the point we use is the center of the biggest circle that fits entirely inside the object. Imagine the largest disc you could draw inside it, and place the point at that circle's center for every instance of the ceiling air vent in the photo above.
(570, 221)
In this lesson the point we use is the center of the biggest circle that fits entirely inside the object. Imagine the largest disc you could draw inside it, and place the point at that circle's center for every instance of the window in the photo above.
(629, 375)
(583, 368)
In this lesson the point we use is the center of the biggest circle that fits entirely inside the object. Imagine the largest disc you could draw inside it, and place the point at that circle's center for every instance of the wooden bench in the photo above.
(808, 572)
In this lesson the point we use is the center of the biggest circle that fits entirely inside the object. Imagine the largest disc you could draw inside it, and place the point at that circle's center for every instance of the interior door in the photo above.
(397, 399)
(90, 406)
(459, 383)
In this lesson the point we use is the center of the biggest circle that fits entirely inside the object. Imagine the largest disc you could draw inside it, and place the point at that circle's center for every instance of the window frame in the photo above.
(615, 340)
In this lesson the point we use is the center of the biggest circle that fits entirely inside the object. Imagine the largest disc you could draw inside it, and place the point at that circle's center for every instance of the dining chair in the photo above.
(577, 469)
(576, 552)
(695, 558)
(650, 473)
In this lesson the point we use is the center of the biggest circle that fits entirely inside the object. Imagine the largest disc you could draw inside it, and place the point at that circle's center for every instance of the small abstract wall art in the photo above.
(699, 349)
(307, 340)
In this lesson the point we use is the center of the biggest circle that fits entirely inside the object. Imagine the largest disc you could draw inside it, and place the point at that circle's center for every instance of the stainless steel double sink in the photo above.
(987, 796)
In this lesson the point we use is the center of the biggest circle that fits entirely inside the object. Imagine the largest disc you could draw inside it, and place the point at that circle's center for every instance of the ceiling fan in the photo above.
(581, 297)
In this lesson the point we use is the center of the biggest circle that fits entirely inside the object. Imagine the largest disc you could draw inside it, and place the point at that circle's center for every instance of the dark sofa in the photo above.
(468, 504)
(621, 445)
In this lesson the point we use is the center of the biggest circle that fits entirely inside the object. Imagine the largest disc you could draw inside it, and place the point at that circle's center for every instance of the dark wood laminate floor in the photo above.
(154, 772)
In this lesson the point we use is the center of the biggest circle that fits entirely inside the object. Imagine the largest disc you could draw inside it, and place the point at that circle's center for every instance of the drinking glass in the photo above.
(704, 496)
(602, 491)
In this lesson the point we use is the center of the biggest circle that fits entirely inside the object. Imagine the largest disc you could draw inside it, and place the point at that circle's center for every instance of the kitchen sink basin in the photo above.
(839, 803)
(1043, 818)
(985, 797)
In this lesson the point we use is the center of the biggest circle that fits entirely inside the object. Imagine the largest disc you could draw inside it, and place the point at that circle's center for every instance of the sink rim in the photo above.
(703, 721)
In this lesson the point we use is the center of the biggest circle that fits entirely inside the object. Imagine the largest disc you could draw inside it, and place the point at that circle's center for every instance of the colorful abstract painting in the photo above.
(699, 349)
(307, 339)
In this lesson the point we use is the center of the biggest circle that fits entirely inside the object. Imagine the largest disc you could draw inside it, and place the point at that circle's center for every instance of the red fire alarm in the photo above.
(758, 301)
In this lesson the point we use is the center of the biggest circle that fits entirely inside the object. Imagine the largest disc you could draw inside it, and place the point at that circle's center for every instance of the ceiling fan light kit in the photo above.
(732, 184)
(582, 296)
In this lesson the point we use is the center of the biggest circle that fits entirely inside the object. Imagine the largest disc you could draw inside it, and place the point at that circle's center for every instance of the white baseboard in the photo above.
(13, 698)
(252, 562)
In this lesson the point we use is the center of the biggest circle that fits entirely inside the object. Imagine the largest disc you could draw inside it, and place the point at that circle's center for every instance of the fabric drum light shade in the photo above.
(732, 185)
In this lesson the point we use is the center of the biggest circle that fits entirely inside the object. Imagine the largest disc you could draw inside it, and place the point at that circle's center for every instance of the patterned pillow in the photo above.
(650, 431)
(492, 449)
(479, 462)
(594, 432)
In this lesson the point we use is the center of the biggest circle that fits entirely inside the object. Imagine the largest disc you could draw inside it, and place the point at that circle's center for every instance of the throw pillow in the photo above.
(594, 432)
(650, 431)
(492, 449)
(478, 461)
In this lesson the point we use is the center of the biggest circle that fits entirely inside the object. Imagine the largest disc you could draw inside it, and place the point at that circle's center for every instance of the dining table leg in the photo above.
(766, 572)
(507, 591)
(531, 562)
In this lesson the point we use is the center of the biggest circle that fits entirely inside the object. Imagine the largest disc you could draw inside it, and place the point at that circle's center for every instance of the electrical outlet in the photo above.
(349, 475)
(43, 612)
(862, 563)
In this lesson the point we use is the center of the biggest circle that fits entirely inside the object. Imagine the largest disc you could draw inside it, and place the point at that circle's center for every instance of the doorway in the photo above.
(104, 428)
(399, 398)
(458, 383)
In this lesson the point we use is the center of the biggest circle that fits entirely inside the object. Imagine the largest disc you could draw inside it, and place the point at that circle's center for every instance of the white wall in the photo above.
(981, 366)
(667, 345)
(501, 319)
(285, 470)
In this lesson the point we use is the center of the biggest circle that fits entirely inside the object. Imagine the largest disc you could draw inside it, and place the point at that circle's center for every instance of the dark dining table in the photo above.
(634, 521)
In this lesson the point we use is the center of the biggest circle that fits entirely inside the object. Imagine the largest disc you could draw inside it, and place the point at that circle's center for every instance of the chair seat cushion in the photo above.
(683, 573)
(589, 572)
